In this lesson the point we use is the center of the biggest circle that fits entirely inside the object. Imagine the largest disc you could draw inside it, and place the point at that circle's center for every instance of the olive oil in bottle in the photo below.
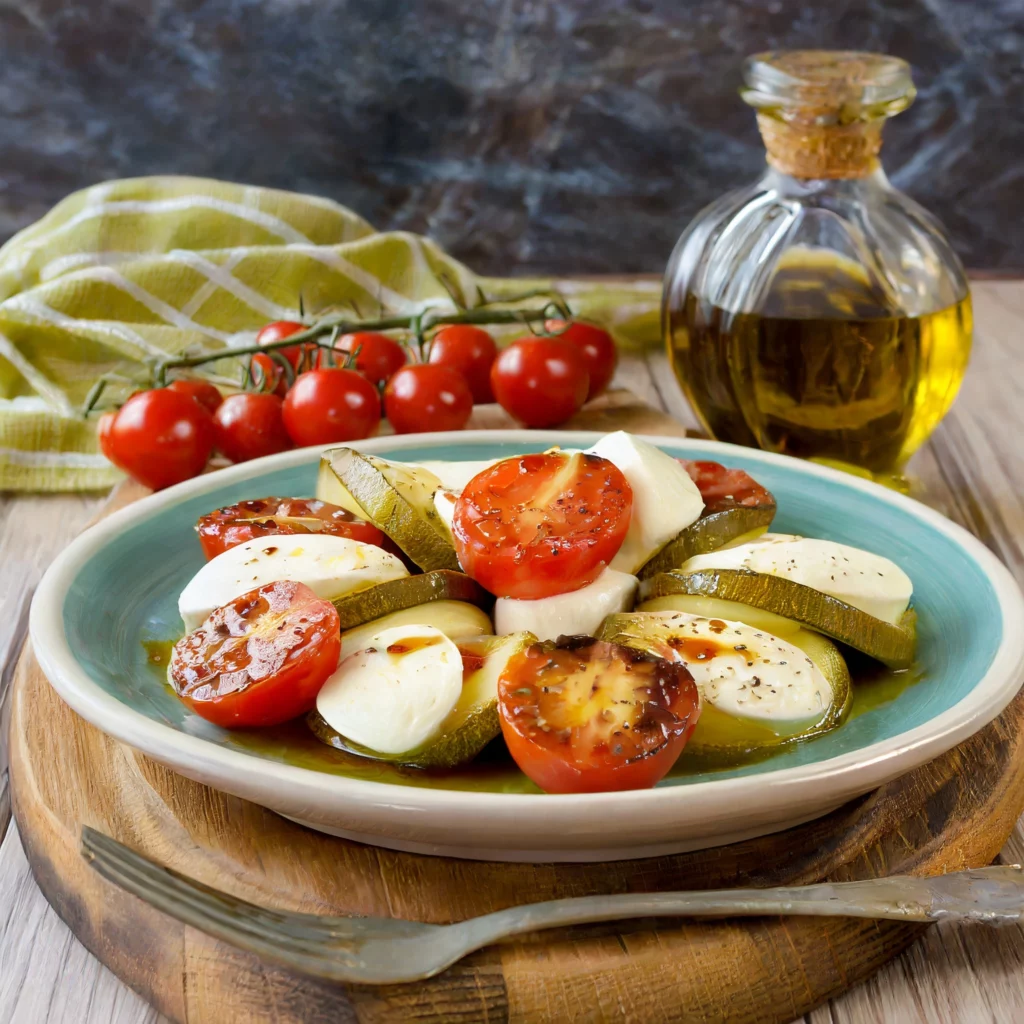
(825, 370)
(820, 312)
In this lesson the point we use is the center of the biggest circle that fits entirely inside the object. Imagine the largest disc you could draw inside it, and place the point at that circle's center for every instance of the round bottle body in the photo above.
(828, 319)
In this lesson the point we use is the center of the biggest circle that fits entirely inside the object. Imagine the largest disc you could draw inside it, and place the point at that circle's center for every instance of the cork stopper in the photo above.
(821, 112)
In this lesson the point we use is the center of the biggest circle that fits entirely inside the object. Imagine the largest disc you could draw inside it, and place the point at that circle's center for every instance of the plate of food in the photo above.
(533, 646)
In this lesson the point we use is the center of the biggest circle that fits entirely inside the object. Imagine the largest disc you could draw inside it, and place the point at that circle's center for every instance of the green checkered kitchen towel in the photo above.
(123, 273)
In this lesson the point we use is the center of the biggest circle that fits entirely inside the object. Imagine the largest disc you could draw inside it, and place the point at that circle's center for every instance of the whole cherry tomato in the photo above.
(379, 358)
(533, 526)
(249, 425)
(259, 660)
(201, 390)
(160, 437)
(540, 381)
(265, 370)
(583, 716)
(597, 346)
(259, 517)
(472, 352)
(427, 397)
(103, 433)
(278, 331)
(268, 374)
(331, 405)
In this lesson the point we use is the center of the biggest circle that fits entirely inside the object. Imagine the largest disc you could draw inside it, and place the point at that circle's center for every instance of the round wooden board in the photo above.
(953, 813)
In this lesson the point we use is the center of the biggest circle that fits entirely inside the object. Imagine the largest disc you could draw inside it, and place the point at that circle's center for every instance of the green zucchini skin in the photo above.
(893, 645)
(396, 595)
(709, 533)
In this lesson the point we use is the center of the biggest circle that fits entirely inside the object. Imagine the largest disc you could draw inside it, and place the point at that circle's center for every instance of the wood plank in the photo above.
(33, 528)
(46, 974)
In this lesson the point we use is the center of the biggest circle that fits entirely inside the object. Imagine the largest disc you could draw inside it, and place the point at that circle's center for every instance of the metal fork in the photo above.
(375, 950)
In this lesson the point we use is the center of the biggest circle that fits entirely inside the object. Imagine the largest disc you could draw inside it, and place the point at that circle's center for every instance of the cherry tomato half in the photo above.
(583, 716)
(379, 358)
(540, 381)
(427, 397)
(259, 660)
(723, 488)
(537, 525)
(597, 347)
(258, 517)
(470, 351)
(331, 405)
(250, 425)
(205, 393)
(160, 437)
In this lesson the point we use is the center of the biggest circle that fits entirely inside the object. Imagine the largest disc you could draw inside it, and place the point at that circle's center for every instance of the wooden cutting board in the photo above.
(953, 813)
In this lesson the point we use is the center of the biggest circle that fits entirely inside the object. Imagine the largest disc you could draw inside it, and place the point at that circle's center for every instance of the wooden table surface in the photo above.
(972, 471)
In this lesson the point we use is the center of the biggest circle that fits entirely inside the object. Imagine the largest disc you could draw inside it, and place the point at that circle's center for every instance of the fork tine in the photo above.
(304, 941)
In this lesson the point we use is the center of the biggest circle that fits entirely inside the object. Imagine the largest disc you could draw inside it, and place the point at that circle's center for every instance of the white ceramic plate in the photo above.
(117, 585)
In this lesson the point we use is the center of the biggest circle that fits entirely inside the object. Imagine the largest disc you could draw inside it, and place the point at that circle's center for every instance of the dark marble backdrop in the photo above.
(566, 136)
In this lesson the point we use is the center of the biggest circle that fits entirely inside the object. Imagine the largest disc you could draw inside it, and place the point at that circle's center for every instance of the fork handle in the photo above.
(993, 895)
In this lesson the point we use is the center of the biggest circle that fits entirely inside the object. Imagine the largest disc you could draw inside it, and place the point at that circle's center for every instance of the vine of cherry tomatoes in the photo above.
(166, 435)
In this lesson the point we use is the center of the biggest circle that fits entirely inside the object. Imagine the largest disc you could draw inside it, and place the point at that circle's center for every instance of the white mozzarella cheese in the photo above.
(665, 499)
(744, 671)
(864, 580)
(444, 504)
(330, 566)
(393, 694)
(578, 612)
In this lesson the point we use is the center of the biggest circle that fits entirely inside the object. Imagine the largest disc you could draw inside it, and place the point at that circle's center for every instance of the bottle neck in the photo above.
(855, 189)
(800, 148)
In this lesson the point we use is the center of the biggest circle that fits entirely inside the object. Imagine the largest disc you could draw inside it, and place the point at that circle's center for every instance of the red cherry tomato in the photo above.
(104, 427)
(583, 716)
(380, 357)
(268, 375)
(250, 426)
(278, 331)
(259, 660)
(597, 347)
(331, 405)
(540, 381)
(723, 488)
(160, 437)
(469, 350)
(258, 517)
(427, 397)
(201, 390)
(265, 370)
(537, 525)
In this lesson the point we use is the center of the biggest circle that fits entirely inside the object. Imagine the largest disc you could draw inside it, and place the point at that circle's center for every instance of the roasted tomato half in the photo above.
(583, 716)
(235, 524)
(259, 660)
(723, 488)
(538, 525)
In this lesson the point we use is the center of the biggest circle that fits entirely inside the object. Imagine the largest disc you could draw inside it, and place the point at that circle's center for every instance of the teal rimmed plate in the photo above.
(108, 601)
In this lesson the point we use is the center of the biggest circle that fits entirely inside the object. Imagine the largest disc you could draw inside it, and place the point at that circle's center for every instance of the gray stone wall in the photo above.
(567, 136)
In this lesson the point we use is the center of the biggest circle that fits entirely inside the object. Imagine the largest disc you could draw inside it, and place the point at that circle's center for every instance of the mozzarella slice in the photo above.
(444, 504)
(744, 671)
(665, 499)
(393, 694)
(859, 578)
(330, 566)
(578, 612)
(455, 475)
